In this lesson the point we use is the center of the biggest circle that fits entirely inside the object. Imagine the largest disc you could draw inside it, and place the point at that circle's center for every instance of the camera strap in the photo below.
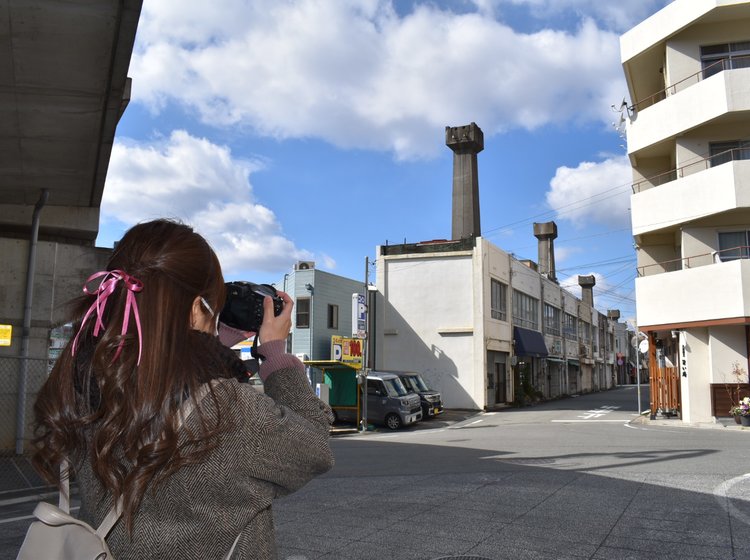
(257, 355)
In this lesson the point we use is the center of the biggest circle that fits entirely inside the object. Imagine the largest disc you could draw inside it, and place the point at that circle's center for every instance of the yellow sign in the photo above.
(6, 331)
(347, 350)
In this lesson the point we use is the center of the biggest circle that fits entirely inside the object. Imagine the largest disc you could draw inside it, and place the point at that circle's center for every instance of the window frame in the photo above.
(570, 326)
(499, 296)
(300, 312)
(333, 316)
(741, 251)
(525, 310)
(552, 326)
(735, 55)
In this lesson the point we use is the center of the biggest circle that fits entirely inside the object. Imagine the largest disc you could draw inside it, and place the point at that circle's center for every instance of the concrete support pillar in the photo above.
(587, 284)
(466, 142)
(546, 233)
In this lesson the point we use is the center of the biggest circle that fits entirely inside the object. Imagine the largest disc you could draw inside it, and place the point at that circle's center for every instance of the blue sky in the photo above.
(288, 130)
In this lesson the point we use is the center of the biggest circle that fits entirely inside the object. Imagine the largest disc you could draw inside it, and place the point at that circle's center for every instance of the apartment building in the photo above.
(688, 130)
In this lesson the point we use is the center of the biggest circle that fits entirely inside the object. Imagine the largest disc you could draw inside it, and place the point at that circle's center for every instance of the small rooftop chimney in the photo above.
(546, 233)
(466, 142)
(614, 314)
(587, 284)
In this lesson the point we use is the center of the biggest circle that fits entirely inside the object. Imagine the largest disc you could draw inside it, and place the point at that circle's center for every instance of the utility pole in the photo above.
(365, 349)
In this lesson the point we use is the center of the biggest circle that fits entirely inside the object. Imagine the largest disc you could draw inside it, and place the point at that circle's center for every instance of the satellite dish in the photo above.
(643, 346)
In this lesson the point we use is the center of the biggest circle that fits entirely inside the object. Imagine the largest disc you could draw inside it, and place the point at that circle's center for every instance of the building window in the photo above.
(525, 310)
(733, 245)
(584, 331)
(333, 316)
(551, 320)
(724, 152)
(303, 313)
(570, 326)
(498, 300)
(727, 56)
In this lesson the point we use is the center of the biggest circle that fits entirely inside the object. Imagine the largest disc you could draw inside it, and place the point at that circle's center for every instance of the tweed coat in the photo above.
(279, 441)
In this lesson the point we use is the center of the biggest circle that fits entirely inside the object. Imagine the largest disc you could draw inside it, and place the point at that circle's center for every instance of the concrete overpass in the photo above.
(63, 89)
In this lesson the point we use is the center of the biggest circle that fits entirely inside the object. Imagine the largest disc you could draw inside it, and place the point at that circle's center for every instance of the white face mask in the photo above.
(215, 316)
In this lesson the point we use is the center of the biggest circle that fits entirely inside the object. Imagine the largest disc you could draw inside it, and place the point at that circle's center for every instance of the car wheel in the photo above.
(393, 421)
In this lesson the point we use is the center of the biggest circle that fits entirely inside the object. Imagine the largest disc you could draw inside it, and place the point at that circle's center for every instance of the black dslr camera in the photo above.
(244, 305)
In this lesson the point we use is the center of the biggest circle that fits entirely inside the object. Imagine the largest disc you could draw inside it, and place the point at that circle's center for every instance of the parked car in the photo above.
(431, 400)
(389, 403)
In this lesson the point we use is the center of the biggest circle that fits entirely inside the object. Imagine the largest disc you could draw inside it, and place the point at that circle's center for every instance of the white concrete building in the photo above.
(483, 327)
(688, 74)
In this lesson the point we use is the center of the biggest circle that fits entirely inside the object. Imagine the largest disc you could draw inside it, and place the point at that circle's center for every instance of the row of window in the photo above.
(727, 56)
(526, 314)
(303, 314)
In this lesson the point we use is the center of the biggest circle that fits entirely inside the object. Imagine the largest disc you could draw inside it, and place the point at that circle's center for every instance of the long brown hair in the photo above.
(119, 414)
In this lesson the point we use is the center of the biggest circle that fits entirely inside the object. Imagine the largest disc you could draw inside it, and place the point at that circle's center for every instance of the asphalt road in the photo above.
(571, 479)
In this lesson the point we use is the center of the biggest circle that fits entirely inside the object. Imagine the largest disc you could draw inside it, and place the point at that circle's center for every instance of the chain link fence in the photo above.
(16, 472)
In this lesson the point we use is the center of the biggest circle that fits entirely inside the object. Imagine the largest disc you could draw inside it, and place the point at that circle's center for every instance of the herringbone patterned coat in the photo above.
(279, 442)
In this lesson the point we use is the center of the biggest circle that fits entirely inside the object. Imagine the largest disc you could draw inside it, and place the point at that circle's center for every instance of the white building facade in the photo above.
(688, 74)
(484, 328)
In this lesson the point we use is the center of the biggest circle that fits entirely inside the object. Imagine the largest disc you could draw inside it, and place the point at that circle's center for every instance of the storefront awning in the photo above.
(557, 360)
(529, 343)
(573, 362)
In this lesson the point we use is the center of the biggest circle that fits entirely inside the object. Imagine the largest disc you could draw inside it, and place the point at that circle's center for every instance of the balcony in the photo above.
(705, 293)
(691, 192)
(706, 100)
(710, 70)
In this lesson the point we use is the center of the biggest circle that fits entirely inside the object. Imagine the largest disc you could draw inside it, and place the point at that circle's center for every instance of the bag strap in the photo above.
(115, 512)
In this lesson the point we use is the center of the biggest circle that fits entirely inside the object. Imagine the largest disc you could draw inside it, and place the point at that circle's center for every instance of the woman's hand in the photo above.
(276, 327)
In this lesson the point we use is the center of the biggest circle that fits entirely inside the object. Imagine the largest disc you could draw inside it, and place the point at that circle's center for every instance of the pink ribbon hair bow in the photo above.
(106, 288)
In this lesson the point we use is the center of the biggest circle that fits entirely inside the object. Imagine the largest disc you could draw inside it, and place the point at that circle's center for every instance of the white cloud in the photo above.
(593, 192)
(200, 183)
(358, 75)
(563, 253)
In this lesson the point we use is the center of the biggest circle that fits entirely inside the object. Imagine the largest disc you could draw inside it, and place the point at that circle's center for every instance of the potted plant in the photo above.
(744, 411)
(734, 412)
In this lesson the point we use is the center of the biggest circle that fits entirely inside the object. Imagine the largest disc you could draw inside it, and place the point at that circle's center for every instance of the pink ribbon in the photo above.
(103, 291)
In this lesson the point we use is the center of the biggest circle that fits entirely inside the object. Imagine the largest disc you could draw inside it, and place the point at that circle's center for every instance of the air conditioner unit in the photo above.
(304, 265)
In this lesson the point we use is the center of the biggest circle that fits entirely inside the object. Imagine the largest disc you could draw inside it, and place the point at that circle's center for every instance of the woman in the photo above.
(146, 343)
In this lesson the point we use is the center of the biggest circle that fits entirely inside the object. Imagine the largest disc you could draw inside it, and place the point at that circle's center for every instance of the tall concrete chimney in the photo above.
(546, 233)
(466, 142)
(587, 284)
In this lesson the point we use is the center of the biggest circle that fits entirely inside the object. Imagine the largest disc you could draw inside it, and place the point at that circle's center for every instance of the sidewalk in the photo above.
(718, 424)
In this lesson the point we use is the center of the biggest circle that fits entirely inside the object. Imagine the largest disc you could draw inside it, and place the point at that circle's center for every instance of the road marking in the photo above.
(725, 501)
(597, 412)
(591, 421)
(474, 422)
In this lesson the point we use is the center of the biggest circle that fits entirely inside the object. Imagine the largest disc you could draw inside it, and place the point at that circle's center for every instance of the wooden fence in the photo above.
(726, 395)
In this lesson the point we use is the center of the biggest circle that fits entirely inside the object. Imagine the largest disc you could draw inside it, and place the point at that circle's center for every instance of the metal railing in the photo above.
(706, 162)
(714, 68)
(673, 265)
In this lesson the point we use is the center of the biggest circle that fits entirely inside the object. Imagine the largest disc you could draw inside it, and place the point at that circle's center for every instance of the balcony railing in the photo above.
(673, 265)
(707, 72)
(735, 154)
